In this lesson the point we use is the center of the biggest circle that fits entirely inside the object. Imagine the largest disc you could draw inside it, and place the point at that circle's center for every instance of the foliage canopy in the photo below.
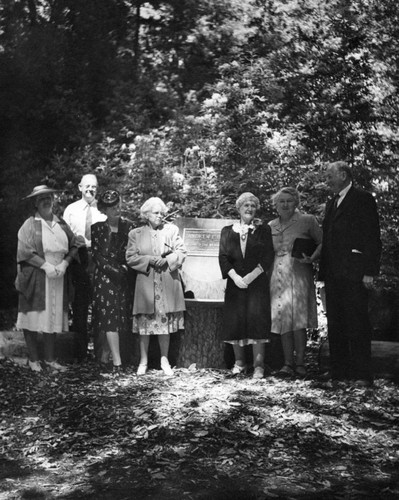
(196, 101)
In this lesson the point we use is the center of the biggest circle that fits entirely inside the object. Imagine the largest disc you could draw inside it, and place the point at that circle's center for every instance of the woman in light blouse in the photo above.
(292, 288)
(46, 247)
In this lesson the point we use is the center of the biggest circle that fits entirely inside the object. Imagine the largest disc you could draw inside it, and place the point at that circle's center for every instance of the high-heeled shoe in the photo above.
(142, 369)
(35, 366)
(238, 369)
(285, 372)
(259, 372)
(167, 368)
(53, 365)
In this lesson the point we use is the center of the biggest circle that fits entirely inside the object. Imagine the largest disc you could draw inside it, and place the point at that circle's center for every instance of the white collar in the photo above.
(243, 228)
(344, 191)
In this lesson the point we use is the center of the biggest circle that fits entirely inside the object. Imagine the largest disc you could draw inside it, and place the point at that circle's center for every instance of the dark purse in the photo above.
(303, 246)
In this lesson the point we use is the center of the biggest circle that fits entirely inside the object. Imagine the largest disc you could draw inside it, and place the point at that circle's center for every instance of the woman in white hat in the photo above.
(46, 246)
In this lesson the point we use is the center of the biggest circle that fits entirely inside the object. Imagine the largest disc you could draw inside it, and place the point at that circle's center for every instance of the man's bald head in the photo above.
(88, 187)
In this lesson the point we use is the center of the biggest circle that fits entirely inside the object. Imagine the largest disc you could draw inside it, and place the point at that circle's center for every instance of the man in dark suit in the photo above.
(350, 259)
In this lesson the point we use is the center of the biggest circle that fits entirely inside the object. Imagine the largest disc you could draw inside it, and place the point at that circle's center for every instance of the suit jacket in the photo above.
(351, 238)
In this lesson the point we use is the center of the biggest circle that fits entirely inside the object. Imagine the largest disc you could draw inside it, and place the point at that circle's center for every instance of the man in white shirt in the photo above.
(80, 215)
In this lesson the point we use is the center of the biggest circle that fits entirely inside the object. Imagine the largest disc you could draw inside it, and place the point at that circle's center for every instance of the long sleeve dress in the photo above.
(246, 311)
(112, 284)
(292, 288)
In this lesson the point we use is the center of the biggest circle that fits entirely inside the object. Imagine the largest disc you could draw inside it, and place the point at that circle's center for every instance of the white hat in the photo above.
(43, 189)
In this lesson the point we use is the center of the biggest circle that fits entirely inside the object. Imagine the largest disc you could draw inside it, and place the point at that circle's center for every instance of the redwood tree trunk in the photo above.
(201, 342)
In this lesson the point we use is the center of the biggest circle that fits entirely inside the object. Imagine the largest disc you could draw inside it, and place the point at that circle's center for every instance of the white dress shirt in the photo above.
(342, 194)
(75, 217)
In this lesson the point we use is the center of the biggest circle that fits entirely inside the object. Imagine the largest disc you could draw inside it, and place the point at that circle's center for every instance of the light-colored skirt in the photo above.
(244, 342)
(161, 322)
(53, 319)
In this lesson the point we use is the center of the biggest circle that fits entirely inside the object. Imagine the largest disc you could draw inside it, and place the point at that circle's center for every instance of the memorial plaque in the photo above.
(202, 241)
(201, 272)
(201, 343)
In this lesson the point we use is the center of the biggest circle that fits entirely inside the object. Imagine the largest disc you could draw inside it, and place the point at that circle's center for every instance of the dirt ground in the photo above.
(199, 435)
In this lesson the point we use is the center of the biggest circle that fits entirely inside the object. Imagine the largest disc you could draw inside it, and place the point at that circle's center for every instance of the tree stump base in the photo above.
(201, 341)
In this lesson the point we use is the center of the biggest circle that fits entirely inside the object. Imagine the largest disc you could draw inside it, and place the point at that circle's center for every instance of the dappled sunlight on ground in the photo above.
(199, 435)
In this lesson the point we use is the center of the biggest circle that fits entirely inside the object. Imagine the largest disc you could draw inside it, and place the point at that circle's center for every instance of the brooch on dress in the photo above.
(243, 229)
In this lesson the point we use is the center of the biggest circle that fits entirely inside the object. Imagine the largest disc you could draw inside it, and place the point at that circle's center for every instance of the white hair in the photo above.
(244, 197)
(149, 204)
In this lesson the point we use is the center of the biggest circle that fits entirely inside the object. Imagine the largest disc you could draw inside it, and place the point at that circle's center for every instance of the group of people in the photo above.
(129, 275)
(277, 259)
(132, 278)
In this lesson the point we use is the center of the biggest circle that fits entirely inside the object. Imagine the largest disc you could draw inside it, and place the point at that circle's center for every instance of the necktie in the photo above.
(335, 203)
(88, 223)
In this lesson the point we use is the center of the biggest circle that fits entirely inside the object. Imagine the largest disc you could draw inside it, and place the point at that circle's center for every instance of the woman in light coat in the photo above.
(156, 252)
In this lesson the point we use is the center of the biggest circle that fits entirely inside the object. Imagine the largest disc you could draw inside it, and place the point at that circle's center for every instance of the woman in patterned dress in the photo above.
(112, 292)
(292, 289)
(46, 246)
(245, 257)
(156, 251)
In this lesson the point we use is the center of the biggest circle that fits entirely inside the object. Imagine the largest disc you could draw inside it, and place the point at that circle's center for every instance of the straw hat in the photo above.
(43, 189)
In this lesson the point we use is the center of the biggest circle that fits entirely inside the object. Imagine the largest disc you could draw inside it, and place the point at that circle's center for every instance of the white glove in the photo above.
(250, 277)
(238, 280)
(61, 268)
(50, 270)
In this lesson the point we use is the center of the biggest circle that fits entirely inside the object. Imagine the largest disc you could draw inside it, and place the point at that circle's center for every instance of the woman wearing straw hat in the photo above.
(46, 246)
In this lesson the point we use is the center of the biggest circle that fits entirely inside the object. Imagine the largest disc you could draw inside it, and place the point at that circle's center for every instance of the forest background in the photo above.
(196, 101)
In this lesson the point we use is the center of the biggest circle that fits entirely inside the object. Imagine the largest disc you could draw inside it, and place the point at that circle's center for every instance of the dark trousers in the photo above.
(349, 329)
(80, 306)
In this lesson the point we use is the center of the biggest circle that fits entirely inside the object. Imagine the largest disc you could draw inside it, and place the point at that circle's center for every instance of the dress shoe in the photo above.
(285, 372)
(238, 369)
(53, 365)
(104, 367)
(259, 372)
(35, 366)
(167, 368)
(142, 369)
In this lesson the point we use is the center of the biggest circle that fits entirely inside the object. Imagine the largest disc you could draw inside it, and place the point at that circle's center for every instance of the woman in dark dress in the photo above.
(245, 257)
(112, 294)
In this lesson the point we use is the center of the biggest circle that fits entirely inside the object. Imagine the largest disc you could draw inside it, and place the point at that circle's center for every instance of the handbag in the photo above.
(303, 246)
